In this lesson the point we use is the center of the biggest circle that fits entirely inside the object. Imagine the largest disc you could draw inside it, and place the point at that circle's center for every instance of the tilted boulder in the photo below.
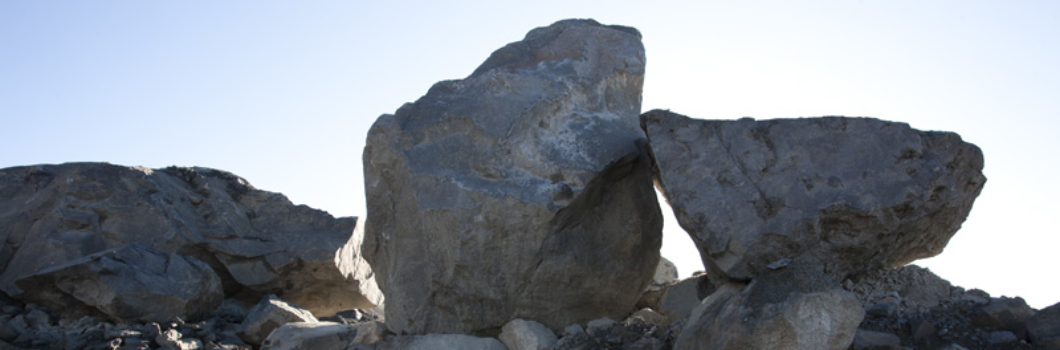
(522, 191)
(131, 282)
(796, 307)
(849, 194)
(53, 214)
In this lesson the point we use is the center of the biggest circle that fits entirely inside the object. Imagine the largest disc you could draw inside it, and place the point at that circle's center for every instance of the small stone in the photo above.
(519, 334)
(573, 330)
(596, 325)
(779, 264)
(1001, 337)
(648, 316)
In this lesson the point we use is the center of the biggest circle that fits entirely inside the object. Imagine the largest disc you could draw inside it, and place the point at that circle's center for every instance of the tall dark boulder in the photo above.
(522, 191)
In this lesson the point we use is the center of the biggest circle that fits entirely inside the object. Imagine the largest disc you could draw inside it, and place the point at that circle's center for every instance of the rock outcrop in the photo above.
(522, 191)
(848, 194)
(254, 240)
(795, 307)
(131, 282)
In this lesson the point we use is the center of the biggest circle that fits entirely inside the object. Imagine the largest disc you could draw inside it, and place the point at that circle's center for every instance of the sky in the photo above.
(282, 93)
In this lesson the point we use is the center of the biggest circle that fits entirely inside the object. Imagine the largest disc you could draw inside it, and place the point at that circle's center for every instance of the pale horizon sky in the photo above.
(283, 93)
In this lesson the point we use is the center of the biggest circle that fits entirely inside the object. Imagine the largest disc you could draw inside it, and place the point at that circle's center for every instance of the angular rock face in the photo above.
(522, 191)
(271, 313)
(796, 307)
(132, 282)
(848, 194)
(52, 214)
(1044, 327)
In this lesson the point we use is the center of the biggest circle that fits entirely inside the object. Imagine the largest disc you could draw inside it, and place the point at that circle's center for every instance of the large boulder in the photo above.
(849, 194)
(796, 307)
(253, 239)
(131, 282)
(522, 191)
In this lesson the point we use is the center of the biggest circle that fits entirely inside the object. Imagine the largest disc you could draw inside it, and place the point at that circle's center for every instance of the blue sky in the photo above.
(283, 92)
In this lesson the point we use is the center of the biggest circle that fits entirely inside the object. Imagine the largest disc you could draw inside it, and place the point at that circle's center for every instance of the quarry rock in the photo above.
(848, 194)
(253, 239)
(521, 191)
(796, 307)
(131, 282)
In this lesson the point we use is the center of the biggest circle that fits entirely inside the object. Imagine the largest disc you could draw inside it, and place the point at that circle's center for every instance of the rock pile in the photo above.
(911, 307)
(514, 209)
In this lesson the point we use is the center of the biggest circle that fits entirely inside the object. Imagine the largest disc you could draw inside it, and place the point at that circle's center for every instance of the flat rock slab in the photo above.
(522, 191)
(849, 194)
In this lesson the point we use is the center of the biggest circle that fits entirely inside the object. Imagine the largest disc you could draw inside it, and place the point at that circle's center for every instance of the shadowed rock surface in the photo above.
(848, 194)
(522, 191)
(796, 307)
(131, 282)
(254, 240)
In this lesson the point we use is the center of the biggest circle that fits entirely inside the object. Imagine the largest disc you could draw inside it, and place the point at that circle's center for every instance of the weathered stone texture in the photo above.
(522, 191)
(849, 194)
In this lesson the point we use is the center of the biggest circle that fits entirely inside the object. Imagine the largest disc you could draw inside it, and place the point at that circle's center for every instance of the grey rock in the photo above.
(521, 191)
(665, 273)
(797, 307)
(253, 239)
(649, 316)
(848, 194)
(953, 347)
(870, 340)
(680, 299)
(573, 330)
(1010, 314)
(269, 314)
(172, 340)
(1044, 327)
(1001, 337)
(311, 336)
(131, 282)
(440, 342)
(7, 332)
(520, 334)
(599, 324)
